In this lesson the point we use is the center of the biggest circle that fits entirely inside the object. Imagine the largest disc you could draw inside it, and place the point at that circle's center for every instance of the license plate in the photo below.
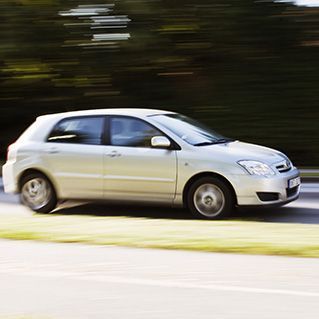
(294, 182)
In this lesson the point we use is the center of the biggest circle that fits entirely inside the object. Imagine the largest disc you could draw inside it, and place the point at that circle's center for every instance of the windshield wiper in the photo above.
(219, 141)
(225, 140)
(204, 143)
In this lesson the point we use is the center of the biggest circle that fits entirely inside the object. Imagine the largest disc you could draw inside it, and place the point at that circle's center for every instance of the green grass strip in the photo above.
(211, 236)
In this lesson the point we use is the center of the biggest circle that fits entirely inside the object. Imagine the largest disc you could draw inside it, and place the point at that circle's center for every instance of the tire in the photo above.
(38, 193)
(210, 198)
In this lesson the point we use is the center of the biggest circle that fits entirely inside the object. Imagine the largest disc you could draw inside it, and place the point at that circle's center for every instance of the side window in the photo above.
(129, 131)
(81, 130)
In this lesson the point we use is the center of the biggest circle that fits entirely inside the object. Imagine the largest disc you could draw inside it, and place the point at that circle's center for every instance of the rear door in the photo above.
(74, 156)
(133, 170)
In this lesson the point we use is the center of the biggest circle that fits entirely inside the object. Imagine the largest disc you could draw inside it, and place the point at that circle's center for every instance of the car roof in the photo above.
(111, 111)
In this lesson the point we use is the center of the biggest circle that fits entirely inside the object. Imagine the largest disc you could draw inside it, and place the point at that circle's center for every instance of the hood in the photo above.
(244, 151)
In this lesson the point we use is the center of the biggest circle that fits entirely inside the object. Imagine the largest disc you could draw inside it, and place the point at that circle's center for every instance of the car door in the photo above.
(74, 156)
(133, 170)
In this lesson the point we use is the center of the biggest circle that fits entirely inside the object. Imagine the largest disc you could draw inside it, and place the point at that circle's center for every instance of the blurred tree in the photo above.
(247, 68)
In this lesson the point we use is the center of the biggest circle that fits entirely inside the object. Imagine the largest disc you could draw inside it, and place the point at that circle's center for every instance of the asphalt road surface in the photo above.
(66, 281)
(304, 210)
(49, 280)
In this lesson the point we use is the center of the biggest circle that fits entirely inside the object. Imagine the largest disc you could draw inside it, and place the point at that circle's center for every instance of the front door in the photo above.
(133, 170)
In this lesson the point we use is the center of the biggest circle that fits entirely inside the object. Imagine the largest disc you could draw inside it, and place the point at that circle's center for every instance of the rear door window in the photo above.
(79, 130)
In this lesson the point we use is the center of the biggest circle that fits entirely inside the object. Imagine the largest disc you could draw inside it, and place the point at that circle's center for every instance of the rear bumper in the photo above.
(10, 184)
(247, 187)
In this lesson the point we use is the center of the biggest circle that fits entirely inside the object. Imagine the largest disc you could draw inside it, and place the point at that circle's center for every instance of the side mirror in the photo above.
(160, 142)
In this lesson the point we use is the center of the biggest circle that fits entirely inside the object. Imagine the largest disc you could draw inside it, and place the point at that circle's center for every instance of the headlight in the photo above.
(256, 168)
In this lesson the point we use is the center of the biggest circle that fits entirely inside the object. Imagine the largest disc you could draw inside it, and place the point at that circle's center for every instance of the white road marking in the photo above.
(175, 284)
(155, 283)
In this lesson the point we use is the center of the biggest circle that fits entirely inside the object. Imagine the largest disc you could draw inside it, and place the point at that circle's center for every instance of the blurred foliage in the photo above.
(249, 69)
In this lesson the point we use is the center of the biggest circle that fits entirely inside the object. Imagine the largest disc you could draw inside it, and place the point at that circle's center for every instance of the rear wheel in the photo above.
(210, 198)
(38, 193)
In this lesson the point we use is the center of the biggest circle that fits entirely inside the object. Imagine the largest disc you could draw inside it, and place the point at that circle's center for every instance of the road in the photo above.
(78, 281)
(304, 210)
(69, 281)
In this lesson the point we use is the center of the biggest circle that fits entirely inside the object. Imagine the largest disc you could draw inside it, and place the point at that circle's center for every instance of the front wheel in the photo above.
(38, 193)
(210, 198)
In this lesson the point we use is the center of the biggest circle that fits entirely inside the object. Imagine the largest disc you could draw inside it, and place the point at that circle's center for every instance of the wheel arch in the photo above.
(207, 174)
(29, 171)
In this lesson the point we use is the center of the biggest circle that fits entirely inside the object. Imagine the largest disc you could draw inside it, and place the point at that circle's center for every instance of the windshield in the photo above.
(190, 130)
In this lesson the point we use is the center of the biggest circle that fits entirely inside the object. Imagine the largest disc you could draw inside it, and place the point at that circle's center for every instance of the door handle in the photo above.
(113, 154)
(53, 150)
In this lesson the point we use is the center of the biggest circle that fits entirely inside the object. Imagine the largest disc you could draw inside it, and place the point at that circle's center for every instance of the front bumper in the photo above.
(247, 188)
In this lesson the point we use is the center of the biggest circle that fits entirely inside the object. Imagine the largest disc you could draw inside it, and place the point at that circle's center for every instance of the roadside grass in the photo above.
(199, 235)
(310, 174)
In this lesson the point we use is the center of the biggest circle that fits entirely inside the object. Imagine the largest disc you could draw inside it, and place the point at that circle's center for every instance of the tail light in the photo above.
(9, 152)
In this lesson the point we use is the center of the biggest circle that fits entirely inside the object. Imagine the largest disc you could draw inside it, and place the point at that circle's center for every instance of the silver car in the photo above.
(144, 155)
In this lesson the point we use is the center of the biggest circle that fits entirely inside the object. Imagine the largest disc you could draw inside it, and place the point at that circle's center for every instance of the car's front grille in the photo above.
(292, 191)
(283, 167)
